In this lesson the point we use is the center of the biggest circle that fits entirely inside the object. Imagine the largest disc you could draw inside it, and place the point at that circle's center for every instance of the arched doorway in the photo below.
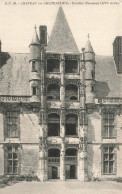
(53, 163)
(71, 163)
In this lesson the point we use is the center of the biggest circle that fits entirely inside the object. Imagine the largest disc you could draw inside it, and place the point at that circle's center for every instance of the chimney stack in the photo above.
(43, 35)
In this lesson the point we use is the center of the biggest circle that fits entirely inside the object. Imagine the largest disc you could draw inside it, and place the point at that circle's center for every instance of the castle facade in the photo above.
(61, 109)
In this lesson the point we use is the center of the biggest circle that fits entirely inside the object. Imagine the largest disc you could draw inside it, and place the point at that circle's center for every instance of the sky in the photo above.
(102, 21)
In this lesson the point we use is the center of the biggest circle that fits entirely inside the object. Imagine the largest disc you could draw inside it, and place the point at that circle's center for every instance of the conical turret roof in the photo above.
(89, 47)
(35, 39)
(61, 39)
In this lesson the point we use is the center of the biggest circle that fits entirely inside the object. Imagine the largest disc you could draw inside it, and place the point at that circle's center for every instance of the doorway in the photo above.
(70, 171)
(54, 172)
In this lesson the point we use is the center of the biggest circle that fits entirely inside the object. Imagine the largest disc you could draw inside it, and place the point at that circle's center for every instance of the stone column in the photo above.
(62, 160)
(82, 174)
(43, 167)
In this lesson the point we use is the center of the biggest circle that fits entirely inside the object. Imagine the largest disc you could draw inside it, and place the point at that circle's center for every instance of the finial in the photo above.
(88, 36)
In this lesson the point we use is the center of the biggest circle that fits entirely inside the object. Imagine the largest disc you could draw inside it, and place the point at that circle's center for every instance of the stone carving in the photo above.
(52, 81)
(42, 143)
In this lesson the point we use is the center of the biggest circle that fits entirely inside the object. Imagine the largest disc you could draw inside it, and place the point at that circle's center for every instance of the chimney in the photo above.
(117, 53)
(43, 35)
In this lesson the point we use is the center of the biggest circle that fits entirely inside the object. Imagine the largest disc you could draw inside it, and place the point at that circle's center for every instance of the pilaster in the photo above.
(43, 164)
(62, 160)
(62, 89)
(82, 171)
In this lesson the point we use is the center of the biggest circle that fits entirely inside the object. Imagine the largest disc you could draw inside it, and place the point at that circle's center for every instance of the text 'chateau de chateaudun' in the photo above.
(61, 109)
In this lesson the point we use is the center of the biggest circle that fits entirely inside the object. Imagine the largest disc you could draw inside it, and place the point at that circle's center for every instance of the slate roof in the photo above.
(14, 76)
(61, 38)
(89, 47)
(35, 39)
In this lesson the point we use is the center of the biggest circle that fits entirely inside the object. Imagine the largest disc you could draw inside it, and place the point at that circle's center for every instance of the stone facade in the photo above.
(60, 123)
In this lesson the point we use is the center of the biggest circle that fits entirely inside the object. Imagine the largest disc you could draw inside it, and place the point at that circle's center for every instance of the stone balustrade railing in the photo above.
(53, 159)
(108, 100)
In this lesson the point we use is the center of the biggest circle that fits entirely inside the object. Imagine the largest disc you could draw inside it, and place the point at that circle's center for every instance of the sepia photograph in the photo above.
(61, 97)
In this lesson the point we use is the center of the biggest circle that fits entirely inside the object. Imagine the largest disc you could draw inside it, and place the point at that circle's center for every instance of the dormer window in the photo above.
(71, 66)
(53, 65)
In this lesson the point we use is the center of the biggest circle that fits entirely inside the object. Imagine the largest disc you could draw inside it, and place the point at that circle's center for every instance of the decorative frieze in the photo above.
(67, 145)
(70, 56)
(54, 110)
(72, 111)
(8, 98)
(108, 101)
(54, 146)
(52, 56)
(52, 81)
(72, 81)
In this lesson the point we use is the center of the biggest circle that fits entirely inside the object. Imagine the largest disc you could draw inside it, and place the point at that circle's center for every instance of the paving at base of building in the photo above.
(59, 187)
(61, 110)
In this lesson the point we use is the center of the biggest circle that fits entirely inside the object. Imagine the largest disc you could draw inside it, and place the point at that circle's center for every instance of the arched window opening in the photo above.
(71, 124)
(71, 66)
(71, 92)
(71, 152)
(53, 124)
(53, 92)
(52, 152)
(53, 65)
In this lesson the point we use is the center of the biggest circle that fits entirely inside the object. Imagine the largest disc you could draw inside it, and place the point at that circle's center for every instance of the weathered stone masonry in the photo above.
(59, 117)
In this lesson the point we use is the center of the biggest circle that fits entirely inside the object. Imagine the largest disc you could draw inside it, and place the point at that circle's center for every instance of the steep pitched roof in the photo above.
(89, 47)
(61, 39)
(35, 39)
(108, 82)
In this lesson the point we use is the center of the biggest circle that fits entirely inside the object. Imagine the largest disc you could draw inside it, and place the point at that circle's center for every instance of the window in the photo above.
(108, 160)
(53, 124)
(53, 92)
(108, 122)
(71, 66)
(34, 90)
(53, 65)
(93, 75)
(92, 88)
(12, 159)
(71, 125)
(34, 66)
(71, 92)
(12, 120)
